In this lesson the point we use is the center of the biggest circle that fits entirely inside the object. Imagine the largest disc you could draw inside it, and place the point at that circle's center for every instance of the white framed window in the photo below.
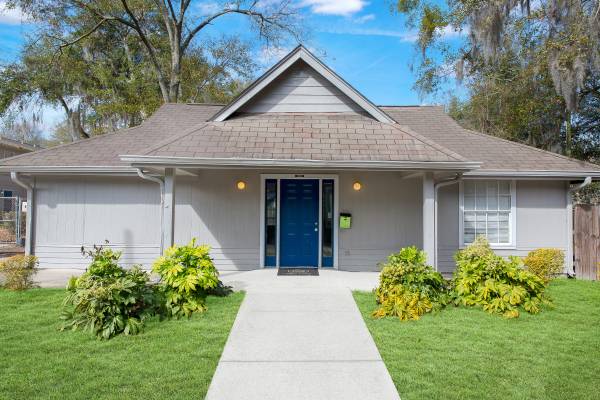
(488, 208)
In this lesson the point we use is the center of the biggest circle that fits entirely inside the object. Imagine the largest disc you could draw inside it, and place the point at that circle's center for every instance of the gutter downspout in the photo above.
(161, 185)
(570, 265)
(14, 176)
(437, 186)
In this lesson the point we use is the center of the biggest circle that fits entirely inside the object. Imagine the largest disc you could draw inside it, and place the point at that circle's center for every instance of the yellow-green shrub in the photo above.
(545, 263)
(501, 286)
(408, 288)
(188, 274)
(18, 272)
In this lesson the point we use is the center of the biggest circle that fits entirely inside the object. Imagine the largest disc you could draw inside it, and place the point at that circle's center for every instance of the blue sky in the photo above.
(361, 40)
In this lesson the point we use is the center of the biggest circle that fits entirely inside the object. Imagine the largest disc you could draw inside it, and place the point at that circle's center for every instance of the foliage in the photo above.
(18, 272)
(485, 279)
(159, 34)
(187, 275)
(531, 68)
(545, 263)
(108, 300)
(408, 288)
(102, 87)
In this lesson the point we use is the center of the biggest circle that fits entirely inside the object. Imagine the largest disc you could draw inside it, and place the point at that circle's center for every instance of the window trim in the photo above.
(512, 220)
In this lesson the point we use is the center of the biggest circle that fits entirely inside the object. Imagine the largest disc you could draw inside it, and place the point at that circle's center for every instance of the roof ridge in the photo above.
(174, 138)
(429, 142)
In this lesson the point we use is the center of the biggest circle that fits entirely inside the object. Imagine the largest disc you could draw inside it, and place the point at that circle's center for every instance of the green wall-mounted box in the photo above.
(345, 221)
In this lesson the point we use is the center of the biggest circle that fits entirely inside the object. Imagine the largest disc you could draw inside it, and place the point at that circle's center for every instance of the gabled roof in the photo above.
(360, 136)
(300, 53)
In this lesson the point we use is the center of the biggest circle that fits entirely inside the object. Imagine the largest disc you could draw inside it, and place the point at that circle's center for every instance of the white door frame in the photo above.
(336, 199)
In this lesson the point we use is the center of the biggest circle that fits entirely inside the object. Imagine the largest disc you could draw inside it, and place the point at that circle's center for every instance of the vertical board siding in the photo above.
(210, 208)
(301, 89)
(386, 216)
(74, 212)
(586, 243)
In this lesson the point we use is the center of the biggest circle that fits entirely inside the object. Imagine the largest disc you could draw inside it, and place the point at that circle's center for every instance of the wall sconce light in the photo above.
(241, 185)
(357, 186)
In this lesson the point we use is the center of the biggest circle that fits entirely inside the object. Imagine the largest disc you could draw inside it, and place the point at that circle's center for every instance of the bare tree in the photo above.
(149, 19)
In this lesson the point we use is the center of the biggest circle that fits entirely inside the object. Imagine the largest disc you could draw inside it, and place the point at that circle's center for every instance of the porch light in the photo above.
(357, 186)
(241, 185)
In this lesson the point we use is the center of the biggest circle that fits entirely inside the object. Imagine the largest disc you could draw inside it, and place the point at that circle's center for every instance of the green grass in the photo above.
(465, 353)
(170, 359)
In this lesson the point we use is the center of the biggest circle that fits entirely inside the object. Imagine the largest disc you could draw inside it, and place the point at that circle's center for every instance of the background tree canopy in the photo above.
(109, 64)
(532, 69)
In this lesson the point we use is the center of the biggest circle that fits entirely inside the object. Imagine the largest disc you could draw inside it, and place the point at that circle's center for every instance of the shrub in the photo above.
(187, 275)
(545, 263)
(107, 299)
(18, 272)
(498, 285)
(408, 288)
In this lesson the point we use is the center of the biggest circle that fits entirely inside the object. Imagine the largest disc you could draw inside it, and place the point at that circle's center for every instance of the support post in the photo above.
(169, 208)
(429, 217)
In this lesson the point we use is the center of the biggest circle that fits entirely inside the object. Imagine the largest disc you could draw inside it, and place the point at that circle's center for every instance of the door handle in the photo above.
(316, 230)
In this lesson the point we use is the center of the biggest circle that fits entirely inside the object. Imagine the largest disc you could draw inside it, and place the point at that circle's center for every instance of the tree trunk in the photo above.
(75, 127)
(568, 135)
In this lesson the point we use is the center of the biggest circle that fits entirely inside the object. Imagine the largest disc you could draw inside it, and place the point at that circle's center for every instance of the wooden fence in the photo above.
(586, 241)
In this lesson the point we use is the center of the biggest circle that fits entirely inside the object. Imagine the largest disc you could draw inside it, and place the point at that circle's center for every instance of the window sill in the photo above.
(494, 247)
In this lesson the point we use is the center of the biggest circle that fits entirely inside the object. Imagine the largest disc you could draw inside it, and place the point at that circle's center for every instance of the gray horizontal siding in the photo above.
(301, 89)
(69, 256)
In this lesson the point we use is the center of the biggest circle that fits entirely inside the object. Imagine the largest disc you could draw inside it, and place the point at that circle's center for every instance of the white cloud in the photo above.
(11, 16)
(404, 36)
(334, 7)
(364, 18)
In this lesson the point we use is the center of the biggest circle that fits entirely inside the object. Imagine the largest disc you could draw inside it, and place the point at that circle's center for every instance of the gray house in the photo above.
(299, 170)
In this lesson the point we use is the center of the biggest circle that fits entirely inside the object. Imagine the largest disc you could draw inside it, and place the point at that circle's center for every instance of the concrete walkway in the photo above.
(300, 337)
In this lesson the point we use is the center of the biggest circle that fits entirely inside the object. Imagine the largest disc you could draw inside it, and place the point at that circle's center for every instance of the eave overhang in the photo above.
(185, 162)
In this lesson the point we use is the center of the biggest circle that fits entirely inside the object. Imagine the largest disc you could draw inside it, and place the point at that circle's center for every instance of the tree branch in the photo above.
(83, 36)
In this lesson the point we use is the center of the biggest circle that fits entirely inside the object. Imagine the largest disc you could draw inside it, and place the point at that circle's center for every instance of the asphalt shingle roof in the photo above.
(104, 150)
(421, 134)
(308, 136)
(493, 153)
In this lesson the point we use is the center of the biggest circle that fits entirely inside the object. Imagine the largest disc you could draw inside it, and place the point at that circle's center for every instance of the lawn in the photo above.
(465, 353)
(171, 359)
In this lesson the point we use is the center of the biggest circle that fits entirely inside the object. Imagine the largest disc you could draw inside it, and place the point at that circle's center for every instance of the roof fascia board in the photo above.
(295, 163)
(301, 53)
(70, 170)
(531, 174)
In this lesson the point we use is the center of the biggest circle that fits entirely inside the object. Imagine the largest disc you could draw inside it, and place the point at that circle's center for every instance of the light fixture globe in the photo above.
(241, 185)
(357, 186)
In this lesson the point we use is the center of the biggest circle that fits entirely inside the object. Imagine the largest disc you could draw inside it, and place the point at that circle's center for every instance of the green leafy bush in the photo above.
(107, 299)
(545, 263)
(188, 274)
(408, 288)
(18, 272)
(498, 285)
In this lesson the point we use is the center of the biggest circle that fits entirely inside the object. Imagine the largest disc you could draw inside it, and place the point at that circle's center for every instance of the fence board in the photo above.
(586, 241)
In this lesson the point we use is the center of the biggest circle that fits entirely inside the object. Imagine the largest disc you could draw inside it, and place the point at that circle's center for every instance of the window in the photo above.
(270, 222)
(327, 228)
(488, 209)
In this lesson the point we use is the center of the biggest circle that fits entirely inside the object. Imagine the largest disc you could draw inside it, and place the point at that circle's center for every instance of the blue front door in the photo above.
(299, 217)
